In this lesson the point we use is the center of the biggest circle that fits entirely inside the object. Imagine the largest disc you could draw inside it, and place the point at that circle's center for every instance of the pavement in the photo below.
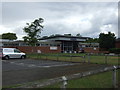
(19, 71)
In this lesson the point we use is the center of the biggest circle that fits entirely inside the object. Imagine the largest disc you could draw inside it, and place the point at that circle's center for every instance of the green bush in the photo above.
(115, 50)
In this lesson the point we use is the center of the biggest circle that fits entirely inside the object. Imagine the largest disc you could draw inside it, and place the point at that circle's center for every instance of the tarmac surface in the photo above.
(19, 71)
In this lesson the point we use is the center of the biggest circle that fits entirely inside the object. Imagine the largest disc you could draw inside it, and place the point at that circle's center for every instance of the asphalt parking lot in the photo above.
(19, 71)
(18, 64)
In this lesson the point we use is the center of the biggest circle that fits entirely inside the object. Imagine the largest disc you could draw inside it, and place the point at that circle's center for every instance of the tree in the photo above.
(33, 31)
(0, 36)
(45, 37)
(107, 41)
(10, 36)
(52, 35)
(92, 40)
(67, 34)
(78, 35)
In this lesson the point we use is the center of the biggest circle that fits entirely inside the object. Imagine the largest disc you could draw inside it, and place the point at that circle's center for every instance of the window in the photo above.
(17, 51)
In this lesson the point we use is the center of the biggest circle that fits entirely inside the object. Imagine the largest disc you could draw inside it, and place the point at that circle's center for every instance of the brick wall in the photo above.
(32, 49)
(43, 49)
(117, 44)
(91, 50)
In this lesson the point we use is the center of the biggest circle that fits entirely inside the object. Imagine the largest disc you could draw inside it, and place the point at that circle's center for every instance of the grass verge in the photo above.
(99, 59)
(102, 80)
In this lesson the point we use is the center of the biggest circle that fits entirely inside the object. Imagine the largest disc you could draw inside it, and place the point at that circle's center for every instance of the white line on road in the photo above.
(4, 61)
(12, 62)
(40, 66)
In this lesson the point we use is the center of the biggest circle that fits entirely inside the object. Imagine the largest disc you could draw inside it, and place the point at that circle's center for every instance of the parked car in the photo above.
(7, 53)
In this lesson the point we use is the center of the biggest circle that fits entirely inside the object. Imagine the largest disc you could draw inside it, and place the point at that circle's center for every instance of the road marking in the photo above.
(56, 65)
(40, 66)
(46, 66)
(31, 65)
(21, 63)
(4, 61)
(12, 62)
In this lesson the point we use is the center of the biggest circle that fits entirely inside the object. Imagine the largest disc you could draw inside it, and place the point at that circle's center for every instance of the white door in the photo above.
(17, 53)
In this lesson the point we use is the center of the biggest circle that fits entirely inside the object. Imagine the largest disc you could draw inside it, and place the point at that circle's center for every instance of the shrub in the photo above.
(115, 50)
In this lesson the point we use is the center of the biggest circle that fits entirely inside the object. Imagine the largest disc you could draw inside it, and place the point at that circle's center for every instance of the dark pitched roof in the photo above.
(65, 36)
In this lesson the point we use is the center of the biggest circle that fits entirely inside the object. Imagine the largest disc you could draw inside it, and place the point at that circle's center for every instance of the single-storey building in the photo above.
(117, 44)
(68, 44)
(55, 44)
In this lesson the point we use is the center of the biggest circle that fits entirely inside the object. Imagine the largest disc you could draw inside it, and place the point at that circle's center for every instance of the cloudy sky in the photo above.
(87, 18)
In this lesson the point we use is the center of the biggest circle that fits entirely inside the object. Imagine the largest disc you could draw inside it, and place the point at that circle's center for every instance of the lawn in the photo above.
(82, 57)
(101, 80)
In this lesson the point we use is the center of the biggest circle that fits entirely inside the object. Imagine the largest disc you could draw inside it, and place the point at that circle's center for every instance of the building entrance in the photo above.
(69, 47)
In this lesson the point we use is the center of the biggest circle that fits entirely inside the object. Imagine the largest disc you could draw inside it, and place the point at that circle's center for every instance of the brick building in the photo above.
(68, 44)
(117, 44)
(55, 44)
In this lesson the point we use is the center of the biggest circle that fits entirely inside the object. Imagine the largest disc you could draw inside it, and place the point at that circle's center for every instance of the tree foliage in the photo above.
(68, 34)
(0, 36)
(10, 36)
(107, 41)
(92, 40)
(79, 35)
(33, 31)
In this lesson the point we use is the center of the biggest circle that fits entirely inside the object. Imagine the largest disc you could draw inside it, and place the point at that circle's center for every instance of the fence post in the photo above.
(88, 58)
(114, 78)
(57, 57)
(37, 56)
(64, 82)
(71, 57)
(83, 59)
(106, 59)
(40, 55)
(46, 56)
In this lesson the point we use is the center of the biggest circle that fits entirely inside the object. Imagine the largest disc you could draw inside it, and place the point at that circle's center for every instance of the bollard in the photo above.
(64, 83)
(114, 77)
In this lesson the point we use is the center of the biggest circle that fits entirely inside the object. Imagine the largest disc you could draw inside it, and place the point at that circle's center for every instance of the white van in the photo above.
(6, 53)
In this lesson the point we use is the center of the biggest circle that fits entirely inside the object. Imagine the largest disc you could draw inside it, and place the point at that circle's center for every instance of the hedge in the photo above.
(115, 50)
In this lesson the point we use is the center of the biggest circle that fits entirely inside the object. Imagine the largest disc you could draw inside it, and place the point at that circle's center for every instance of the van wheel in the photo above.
(6, 57)
(22, 57)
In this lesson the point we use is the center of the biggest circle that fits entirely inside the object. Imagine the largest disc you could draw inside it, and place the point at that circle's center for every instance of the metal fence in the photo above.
(64, 79)
(85, 58)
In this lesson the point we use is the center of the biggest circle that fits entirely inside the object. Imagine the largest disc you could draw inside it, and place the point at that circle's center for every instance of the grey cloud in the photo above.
(53, 13)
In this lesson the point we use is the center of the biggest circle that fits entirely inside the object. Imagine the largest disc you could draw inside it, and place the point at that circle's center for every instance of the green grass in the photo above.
(113, 60)
(25, 84)
(102, 80)
(99, 59)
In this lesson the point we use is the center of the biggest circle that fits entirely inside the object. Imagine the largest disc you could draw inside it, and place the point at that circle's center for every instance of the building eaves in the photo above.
(57, 36)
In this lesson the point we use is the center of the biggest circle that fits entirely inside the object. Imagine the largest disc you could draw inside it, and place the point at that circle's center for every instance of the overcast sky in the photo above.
(87, 18)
